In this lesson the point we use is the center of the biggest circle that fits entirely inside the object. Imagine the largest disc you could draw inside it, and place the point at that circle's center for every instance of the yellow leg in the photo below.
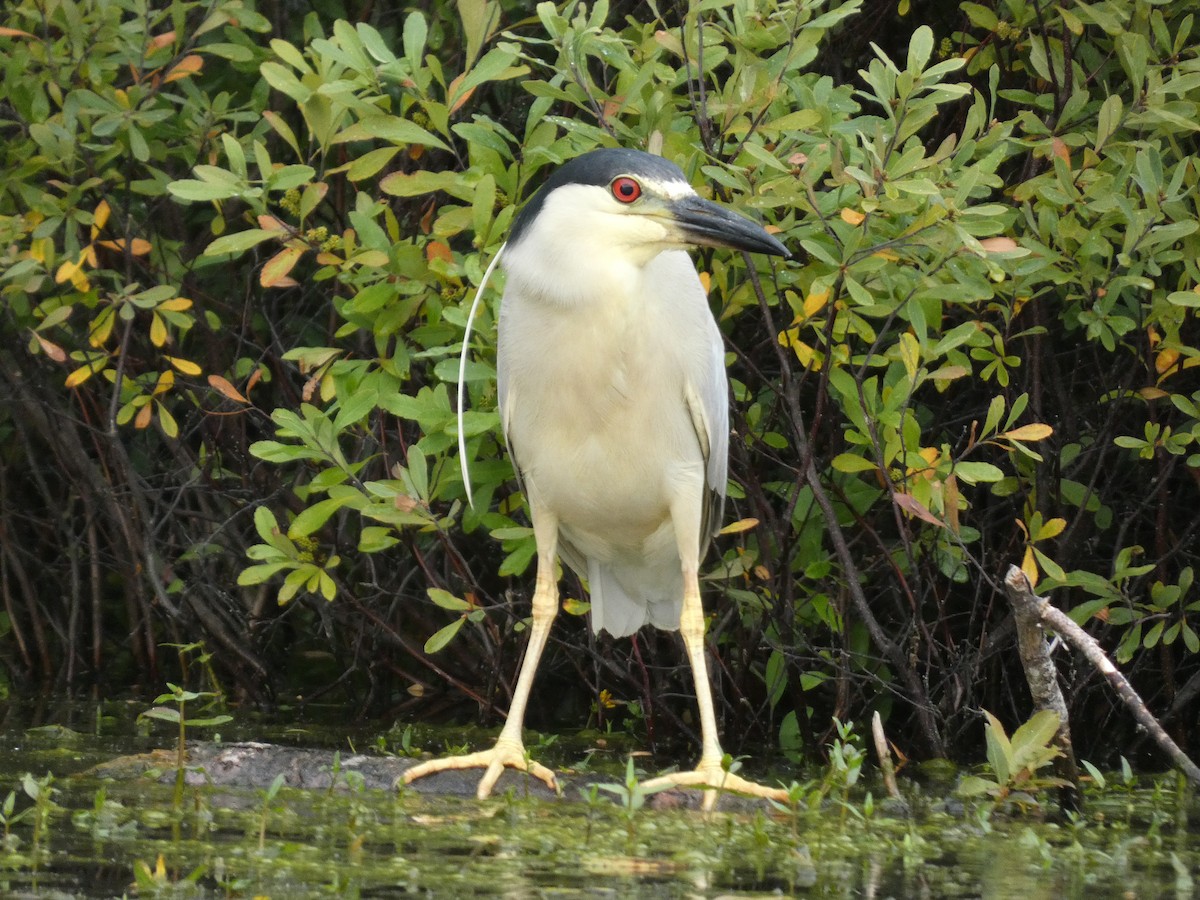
(708, 772)
(509, 750)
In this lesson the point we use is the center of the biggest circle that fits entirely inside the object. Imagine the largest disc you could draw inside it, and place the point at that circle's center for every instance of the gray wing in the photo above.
(708, 403)
(506, 399)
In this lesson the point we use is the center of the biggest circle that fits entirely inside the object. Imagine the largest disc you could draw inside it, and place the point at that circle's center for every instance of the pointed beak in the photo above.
(709, 225)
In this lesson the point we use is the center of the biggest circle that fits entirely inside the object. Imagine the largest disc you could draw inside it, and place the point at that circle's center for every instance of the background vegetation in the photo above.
(237, 243)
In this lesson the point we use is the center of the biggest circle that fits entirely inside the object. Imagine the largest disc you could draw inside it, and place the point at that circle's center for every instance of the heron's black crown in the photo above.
(599, 167)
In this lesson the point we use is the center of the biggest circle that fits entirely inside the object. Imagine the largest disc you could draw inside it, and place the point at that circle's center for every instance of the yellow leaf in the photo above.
(1052, 528)
(179, 304)
(852, 216)
(815, 302)
(1165, 360)
(41, 249)
(79, 376)
(1035, 431)
(1029, 567)
(739, 526)
(910, 354)
(186, 366)
(102, 327)
(137, 246)
(1152, 393)
(573, 607)
(950, 500)
(67, 271)
(100, 216)
(949, 373)
(278, 266)
(706, 281)
(804, 353)
(158, 331)
(166, 381)
(167, 422)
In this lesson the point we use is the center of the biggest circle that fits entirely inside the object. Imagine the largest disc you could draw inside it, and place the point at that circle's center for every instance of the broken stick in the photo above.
(1020, 592)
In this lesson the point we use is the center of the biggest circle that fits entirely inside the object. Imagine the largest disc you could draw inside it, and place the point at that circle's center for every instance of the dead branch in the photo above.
(1021, 593)
(886, 768)
(1043, 678)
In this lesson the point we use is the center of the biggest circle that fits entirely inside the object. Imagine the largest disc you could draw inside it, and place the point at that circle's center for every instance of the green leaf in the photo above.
(1107, 119)
(370, 163)
(446, 600)
(265, 523)
(478, 17)
(974, 786)
(374, 43)
(1030, 743)
(283, 80)
(975, 472)
(313, 517)
(289, 177)
(414, 184)
(375, 538)
(390, 128)
(920, 48)
(415, 32)
(495, 65)
(851, 462)
(999, 750)
(189, 189)
(240, 241)
(443, 636)
(209, 722)
(1184, 298)
(162, 713)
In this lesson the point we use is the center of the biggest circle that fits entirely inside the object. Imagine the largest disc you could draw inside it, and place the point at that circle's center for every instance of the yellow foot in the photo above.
(714, 777)
(510, 754)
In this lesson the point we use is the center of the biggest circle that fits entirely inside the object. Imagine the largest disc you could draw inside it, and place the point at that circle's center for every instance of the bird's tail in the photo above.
(627, 596)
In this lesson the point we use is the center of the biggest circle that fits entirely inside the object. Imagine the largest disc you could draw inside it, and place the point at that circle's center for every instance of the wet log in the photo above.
(254, 765)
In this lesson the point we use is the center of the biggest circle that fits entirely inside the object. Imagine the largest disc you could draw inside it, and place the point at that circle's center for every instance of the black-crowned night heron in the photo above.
(614, 402)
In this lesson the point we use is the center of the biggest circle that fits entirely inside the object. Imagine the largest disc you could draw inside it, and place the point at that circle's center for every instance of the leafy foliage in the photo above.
(1015, 762)
(245, 266)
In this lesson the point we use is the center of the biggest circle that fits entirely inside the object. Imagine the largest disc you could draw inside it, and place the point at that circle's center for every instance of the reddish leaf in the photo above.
(222, 386)
(189, 65)
(279, 265)
(438, 250)
(51, 349)
(914, 507)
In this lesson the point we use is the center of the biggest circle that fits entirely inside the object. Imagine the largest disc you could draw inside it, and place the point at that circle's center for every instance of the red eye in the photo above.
(626, 189)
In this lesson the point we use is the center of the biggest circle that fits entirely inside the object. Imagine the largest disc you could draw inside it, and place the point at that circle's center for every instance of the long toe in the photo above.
(715, 780)
(504, 754)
